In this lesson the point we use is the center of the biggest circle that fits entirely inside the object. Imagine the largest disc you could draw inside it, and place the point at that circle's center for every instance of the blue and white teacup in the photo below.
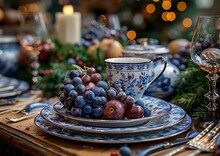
(135, 74)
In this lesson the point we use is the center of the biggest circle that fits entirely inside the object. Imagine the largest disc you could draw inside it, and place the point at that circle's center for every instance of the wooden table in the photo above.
(24, 137)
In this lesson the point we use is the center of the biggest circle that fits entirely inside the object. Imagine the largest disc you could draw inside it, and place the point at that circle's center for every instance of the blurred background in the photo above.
(162, 19)
(77, 34)
(106, 28)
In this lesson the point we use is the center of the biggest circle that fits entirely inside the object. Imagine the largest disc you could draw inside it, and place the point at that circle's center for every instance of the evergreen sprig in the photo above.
(50, 84)
(191, 87)
(59, 66)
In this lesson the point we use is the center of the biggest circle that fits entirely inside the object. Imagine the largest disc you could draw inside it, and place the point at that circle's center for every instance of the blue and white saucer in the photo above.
(19, 87)
(157, 107)
(175, 116)
(95, 138)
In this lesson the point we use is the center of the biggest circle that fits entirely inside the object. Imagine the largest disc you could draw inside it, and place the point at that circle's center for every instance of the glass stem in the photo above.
(35, 66)
(212, 96)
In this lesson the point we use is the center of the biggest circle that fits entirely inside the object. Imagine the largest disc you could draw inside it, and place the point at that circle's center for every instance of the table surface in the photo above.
(27, 137)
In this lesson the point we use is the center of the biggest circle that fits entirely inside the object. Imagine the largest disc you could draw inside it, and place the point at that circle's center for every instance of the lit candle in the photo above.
(68, 25)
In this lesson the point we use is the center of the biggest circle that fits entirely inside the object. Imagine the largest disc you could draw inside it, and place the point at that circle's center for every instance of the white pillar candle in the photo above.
(68, 26)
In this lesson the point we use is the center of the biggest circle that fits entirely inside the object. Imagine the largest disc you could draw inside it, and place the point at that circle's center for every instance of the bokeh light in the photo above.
(181, 6)
(138, 19)
(164, 16)
(156, 0)
(171, 16)
(166, 5)
(131, 34)
(150, 8)
(33, 7)
(22, 9)
(187, 22)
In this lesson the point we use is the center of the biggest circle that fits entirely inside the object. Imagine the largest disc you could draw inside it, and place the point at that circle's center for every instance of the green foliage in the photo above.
(59, 65)
(191, 88)
(50, 84)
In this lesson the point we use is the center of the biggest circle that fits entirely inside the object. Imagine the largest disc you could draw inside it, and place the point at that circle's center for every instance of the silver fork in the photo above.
(207, 147)
(14, 120)
(203, 142)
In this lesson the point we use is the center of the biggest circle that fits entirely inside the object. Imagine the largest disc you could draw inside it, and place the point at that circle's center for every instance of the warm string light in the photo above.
(150, 8)
(131, 34)
(166, 5)
(28, 8)
(187, 22)
(181, 6)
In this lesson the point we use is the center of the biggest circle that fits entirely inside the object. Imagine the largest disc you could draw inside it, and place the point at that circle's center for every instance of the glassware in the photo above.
(205, 52)
(32, 36)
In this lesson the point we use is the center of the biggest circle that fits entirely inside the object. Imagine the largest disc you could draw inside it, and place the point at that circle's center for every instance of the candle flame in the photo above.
(68, 10)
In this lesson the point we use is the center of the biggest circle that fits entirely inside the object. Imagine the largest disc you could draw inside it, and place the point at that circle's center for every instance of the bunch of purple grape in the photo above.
(85, 94)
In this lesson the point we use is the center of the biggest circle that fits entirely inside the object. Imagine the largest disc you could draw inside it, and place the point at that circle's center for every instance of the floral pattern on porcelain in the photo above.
(88, 137)
(157, 107)
(134, 77)
(175, 116)
(165, 85)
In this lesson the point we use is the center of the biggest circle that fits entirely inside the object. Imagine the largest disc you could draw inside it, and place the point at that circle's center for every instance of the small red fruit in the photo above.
(134, 112)
(114, 109)
(90, 85)
(86, 79)
(96, 77)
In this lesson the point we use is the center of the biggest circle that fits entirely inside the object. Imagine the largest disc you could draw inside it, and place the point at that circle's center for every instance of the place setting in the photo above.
(110, 78)
(92, 110)
(10, 87)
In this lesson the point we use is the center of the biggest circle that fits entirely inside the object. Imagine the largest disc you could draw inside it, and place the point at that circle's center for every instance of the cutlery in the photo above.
(17, 100)
(29, 111)
(204, 145)
(18, 107)
(8, 88)
(33, 107)
(14, 120)
(10, 94)
(217, 146)
(5, 102)
(190, 135)
(201, 142)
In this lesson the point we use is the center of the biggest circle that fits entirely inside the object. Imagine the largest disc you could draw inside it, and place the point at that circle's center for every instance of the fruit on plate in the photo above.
(134, 112)
(85, 94)
(114, 109)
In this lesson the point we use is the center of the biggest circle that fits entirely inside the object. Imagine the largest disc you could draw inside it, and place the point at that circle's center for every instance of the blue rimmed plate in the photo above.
(179, 128)
(19, 88)
(157, 107)
(175, 116)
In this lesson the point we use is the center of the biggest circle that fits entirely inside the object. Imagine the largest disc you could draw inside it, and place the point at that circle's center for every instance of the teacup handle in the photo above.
(164, 67)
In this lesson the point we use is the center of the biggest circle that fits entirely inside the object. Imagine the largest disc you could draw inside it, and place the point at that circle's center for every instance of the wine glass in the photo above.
(32, 37)
(205, 52)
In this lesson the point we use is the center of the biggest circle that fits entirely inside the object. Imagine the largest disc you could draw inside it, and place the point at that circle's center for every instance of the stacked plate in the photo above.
(166, 120)
(11, 87)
